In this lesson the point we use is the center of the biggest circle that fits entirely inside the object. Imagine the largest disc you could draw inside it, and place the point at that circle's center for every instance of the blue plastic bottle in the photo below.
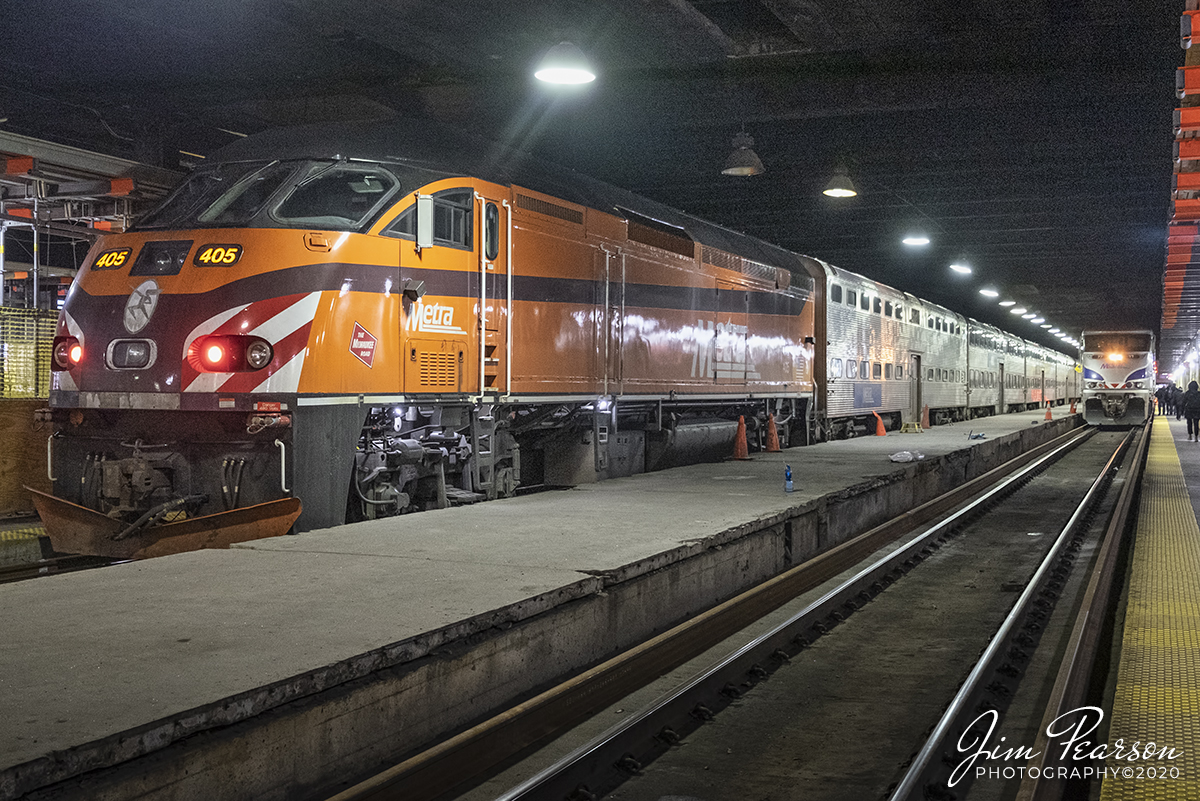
(787, 478)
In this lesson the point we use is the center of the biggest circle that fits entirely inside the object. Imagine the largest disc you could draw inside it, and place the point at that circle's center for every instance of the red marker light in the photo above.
(66, 353)
(214, 354)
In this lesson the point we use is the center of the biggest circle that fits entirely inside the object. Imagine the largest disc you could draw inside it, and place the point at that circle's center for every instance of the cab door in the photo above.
(495, 293)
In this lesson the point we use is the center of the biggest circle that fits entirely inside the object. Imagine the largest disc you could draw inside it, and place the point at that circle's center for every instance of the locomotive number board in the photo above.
(217, 255)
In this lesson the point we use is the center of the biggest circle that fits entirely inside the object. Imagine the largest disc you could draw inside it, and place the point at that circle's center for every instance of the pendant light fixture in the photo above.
(743, 160)
(565, 64)
(840, 184)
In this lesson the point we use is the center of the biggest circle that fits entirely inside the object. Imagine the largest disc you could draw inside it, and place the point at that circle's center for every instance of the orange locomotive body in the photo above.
(312, 317)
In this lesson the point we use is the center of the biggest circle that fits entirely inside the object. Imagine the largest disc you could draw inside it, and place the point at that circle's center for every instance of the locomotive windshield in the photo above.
(1117, 342)
(291, 194)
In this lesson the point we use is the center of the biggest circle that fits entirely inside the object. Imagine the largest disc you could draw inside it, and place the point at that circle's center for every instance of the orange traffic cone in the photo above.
(1048, 415)
(880, 430)
(741, 450)
(925, 418)
(772, 435)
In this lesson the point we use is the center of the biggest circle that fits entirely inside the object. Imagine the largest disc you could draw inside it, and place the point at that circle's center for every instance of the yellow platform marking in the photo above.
(1158, 682)
(23, 533)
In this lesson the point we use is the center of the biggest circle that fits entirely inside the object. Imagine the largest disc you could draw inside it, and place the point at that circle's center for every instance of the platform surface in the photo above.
(88, 655)
(1157, 696)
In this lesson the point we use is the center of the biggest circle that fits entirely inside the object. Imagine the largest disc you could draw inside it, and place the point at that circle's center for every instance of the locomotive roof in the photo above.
(443, 149)
(439, 148)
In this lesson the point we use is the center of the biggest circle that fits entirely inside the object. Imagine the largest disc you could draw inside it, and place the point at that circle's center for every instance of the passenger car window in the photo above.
(863, 370)
(851, 297)
(876, 370)
(887, 372)
(887, 308)
(878, 305)
(835, 293)
(899, 372)
(866, 302)
(835, 368)
(851, 368)
(916, 316)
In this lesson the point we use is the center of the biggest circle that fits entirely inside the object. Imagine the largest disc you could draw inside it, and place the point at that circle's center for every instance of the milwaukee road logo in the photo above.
(721, 352)
(434, 318)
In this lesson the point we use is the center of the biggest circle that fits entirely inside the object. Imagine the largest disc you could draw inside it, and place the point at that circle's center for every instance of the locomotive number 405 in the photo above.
(214, 255)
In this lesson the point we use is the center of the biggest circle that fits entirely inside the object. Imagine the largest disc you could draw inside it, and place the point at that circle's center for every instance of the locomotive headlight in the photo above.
(258, 354)
(230, 353)
(67, 353)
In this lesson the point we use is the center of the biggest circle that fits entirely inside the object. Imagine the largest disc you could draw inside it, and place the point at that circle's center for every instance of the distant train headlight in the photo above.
(68, 352)
(229, 353)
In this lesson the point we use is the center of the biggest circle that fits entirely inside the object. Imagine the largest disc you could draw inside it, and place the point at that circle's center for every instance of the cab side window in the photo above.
(451, 220)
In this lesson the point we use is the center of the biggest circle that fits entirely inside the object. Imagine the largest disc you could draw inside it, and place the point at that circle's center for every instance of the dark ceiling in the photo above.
(1031, 139)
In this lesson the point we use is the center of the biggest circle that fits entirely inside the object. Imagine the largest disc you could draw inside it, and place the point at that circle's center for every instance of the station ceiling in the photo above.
(1031, 140)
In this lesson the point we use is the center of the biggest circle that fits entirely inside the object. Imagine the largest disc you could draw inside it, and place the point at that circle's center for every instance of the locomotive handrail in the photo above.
(282, 465)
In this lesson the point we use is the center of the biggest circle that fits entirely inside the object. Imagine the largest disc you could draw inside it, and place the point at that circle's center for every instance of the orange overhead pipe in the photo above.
(1187, 82)
(1189, 26)
(1187, 120)
(20, 165)
(1187, 149)
(120, 186)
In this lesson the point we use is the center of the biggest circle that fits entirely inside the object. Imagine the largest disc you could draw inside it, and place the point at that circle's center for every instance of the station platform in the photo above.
(1157, 697)
(264, 670)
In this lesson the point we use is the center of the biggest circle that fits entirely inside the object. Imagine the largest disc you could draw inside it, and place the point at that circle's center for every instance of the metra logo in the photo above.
(435, 318)
(140, 306)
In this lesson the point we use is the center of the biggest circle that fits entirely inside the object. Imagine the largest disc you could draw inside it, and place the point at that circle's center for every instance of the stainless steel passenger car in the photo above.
(891, 354)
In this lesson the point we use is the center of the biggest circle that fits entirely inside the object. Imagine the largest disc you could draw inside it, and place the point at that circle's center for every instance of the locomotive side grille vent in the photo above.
(550, 209)
(437, 369)
(719, 258)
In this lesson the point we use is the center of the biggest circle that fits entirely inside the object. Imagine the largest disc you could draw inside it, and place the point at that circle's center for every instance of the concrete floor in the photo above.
(91, 655)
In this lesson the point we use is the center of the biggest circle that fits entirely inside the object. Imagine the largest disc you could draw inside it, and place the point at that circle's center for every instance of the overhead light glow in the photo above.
(1028, 316)
(564, 64)
(1037, 320)
(1018, 310)
(1007, 303)
(1045, 325)
(1053, 330)
(915, 240)
(987, 292)
(962, 268)
(840, 184)
(1116, 357)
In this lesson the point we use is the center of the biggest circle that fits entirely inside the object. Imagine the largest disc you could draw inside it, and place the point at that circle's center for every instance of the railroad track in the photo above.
(635, 758)
(53, 566)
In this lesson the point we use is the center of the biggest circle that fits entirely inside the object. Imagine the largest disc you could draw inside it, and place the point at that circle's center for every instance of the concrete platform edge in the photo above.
(293, 736)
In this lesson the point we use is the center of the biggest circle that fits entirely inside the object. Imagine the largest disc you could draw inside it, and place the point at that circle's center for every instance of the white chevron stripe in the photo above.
(208, 326)
(63, 380)
(288, 320)
(209, 382)
(287, 377)
(273, 330)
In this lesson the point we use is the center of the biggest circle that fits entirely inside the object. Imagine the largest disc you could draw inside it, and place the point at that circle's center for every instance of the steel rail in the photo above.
(477, 750)
(625, 746)
(933, 773)
(53, 567)
(1077, 671)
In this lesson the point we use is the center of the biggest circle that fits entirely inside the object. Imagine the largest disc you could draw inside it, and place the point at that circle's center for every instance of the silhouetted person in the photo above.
(1191, 410)
(1177, 400)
